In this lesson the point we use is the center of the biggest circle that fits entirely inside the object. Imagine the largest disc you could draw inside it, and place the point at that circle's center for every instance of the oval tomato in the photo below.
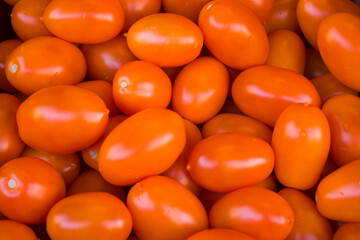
(261, 8)
(349, 231)
(6, 47)
(189, 9)
(12, 230)
(220, 233)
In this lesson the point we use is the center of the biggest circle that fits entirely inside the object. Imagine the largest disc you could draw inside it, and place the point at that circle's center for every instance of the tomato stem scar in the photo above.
(12, 184)
(14, 68)
(123, 84)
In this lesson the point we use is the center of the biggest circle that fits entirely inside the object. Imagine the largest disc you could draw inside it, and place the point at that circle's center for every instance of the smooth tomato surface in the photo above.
(189, 9)
(349, 231)
(6, 47)
(261, 8)
(220, 233)
(12, 230)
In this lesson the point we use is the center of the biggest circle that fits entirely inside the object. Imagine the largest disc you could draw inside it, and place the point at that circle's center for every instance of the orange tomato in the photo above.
(200, 89)
(189, 9)
(42, 62)
(29, 187)
(314, 66)
(220, 233)
(12, 230)
(349, 231)
(173, 211)
(95, 215)
(268, 183)
(11, 2)
(62, 119)
(165, 39)
(234, 34)
(6, 47)
(261, 8)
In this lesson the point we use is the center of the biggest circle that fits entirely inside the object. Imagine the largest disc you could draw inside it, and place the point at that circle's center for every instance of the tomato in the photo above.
(91, 181)
(12, 230)
(287, 50)
(143, 145)
(68, 165)
(29, 187)
(6, 47)
(95, 215)
(268, 183)
(314, 66)
(236, 123)
(189, 9)
(136, 90)
(11, 2)
(261, 8)
(200, 89)
(349, 231)
(165, 39)
(42, 62)
(178, 170)
(62, 119)
(272, 89)
(11, 145)
(310, 13)
(343, 113)
(104, 59)
(233, 34)
(308, 222)
(220, 233)
(339, 41)
(259, 212)
(173, 211)
(338, 194)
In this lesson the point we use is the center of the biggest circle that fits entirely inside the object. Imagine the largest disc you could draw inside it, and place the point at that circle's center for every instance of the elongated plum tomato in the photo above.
(259, 212)
(6, 47)
(263, 92)
(145, 144)
(174, 212)
(220, 233)
(338, 194)
(301, 141)
(349, 231)
(232, 160)
(95, 215)
(165, 39)
(339, 41)
(43, 62)
(234, 34)
(12, 230)
(84, 21)
(261, 8)
(29, 187)
(62, 119)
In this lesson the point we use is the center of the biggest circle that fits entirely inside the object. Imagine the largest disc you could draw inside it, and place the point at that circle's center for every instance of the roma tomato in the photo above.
(143, 145)
(314, 66)
(12, 230)
(343, 113)
(6, 47)
(263, 92)
(139, 85)
(95, 215)
(220, 233)
(165, 39)
(261, 8)
(11, 145)
(189, 9)
(232, 161)
(62, 119)
(173, 211)
(234, 34)
(84, 21)
(308, 222)
(349, 231)
(259, 212)
(338, 194)
(200, 89)
(29, 187)
(42, 62)
(339, 41)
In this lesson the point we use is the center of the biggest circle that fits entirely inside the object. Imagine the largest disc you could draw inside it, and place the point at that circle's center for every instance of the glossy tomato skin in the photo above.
(315, 66)
(220, 22)
(29, 187)
(95, 215)
(6, 47)
(343, 112)
(165, 39)
(349, 231)
(252, 211)
(262, 8)
(301, 142)
(84, 21)
(188, 9)
(10, 142)
(232, 160)
(62, 119)
(200, 89)
(273, 89)
(138, 148)
(337, 196)
(43, 62)
(220, 233)
(12, 230)
(308, 222)
(174, 211)
(339, 41)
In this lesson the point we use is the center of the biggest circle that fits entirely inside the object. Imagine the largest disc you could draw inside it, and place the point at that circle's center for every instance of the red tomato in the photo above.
(95, 215)
(189, 9)
(233, 34)
(165, 39)
(62, 119)
(220, 233)
(12, 230)
(174, 212)
(143, 145)
(259, 212)
(200, 89)
(264, 92)
(42, 62)
(349, 231)
(314, 66)
(29, 187)
(261, 8)
(6, 47)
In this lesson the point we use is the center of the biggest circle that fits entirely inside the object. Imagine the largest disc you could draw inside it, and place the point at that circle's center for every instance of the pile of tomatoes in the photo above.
(179, 119)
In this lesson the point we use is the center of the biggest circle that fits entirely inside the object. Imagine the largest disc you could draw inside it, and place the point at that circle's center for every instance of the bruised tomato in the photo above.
(220, 233)
(6, 47)
(12, 230)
